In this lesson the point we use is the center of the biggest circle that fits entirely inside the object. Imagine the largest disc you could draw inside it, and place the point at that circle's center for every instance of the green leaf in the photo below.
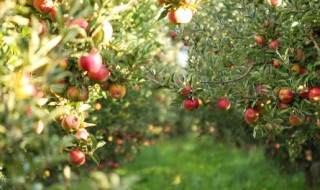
(95, 158)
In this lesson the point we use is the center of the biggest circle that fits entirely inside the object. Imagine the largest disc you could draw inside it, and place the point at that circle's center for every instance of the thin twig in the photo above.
(314, 42)
(232, 80)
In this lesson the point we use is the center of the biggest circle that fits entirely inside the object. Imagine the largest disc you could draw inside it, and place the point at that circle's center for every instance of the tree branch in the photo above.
(314, 42)
(232, 80)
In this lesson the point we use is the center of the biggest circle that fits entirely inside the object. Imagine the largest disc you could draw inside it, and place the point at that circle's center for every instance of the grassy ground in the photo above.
(198, 164)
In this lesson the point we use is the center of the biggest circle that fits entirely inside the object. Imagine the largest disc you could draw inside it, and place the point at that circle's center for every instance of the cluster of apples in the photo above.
(190, 103)
(181, 12)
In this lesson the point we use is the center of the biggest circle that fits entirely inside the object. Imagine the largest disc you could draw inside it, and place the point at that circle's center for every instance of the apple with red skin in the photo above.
(82, 134)
(161, 1)
(43, 5)
(286, 95)
(303, 91)
(180, 16)
(295, 121)
(77, 157)
(314, 94)
(53, 13)
(299, 55)
(260, 40)
(101, 76)
(173, 34)
(223, 103)
(261, 89)
(77, 94)
(117, 91)
(276, 63)
(91, 62)
(303, 70)
(186, 91)
(251, 115)
(70, 123)
(275, 2)
(274, 44)
(80, 22)
(190, 104)
(42, 27)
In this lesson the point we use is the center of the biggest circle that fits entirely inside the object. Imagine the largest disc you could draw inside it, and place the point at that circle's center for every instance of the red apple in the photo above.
(286, 95)
(186, 43)
(314, 95)
(181, 15)
(251, 115)
(77, 157)
(82, 134)
(77, 93)
(101, 76)
(42, 27)
(117, 91)
(83, 93)
(274, 44)
(186, 91)
(303, 91)
(276, 63)
(260, 40)
(295, 121)
(223, 103)
(91, 62)
(303, 70)
(70, 123)
(190, 104)
(261, 89)
(161, 1)
(43, 5)
(173, 34)
(275, 2)
(80, 22)
(53, 13)
(299, 55)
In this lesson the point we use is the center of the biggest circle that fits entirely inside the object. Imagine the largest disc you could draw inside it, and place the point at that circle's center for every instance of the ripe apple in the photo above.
(43, 5)
(91, 62)
(260, 40)
(314, 95)
(223, 103)
(303, 70)
(70, 123)
(276, 63)
(161, 1)
(261, 89)
(299, 55)
(275, 2)
(80, 22)
(295, 68)
(190, 104)
(303, 91)
(173, 34)
(186, 43)
(53, 13)
(186, 91)
(295, 121)
(181, 15)
(286, 95)
(251, 115)
(77, 93)
(117, 91)
(77, 157)
(274, 44)
(97, 106)
(101, 76)
(82, 134)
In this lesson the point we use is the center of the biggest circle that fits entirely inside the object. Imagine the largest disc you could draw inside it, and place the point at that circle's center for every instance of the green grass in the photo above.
(198, 164)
